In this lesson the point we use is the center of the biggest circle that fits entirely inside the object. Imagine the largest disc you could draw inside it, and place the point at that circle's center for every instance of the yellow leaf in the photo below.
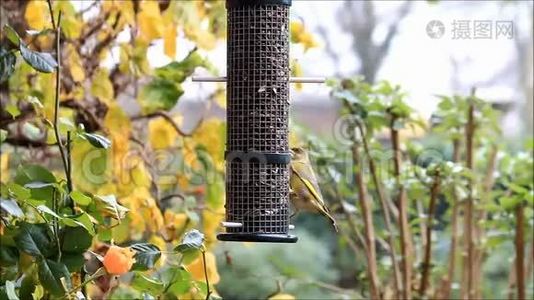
(308, 41)
(144, 213)
(122, 6)
(102, 86)
(282, 296)
(169, 40)
(299, 35)
(211, 221)
(296, 71)
(71, 26)
(161, 133)
(220, 97)
(196, 268)
(211, 134)
(75, 64)
(116, 120)
(149, 20)
(162, 245)
(203, 38)
(118, 124)
(4, 166)
(297, 28)
(37, 15)
(174, 224)
(91, 167)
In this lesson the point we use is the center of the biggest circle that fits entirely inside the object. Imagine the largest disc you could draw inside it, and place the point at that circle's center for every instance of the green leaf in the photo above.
(509, 202)
(45, 209)
(19, 192)
(346, 95)
(12, 35)
(38, 185)
(159, 94)
(73, 261)
(54, 276)
(147, 284)
(178, 280)
(33, 239)
(27, 286)
(108, 206)
(178, 71)
(80, 198)
(40, 61)
(82, 220)
(214, 192)
(146, 256)
(192, 241)
(38, 294)
(10, 290)
(76, 240)
(13, 110)
(35, 33)
(11, 207)
(3, 135)
(7, 64)
(97, 140)
(9, 256)
(33, 173)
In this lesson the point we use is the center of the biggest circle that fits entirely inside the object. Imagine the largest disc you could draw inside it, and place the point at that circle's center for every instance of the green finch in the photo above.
(305, 193)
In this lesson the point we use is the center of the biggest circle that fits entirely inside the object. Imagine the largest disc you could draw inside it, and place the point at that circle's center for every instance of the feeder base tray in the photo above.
(257, 237)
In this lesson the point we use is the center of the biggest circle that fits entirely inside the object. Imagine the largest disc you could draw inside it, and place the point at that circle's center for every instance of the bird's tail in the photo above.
(327, 214)
(333, 223)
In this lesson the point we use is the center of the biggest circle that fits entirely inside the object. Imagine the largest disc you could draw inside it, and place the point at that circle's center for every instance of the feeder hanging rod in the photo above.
(291, 79)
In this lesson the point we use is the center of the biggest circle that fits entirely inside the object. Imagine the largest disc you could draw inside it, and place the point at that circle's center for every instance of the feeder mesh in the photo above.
(257, 114)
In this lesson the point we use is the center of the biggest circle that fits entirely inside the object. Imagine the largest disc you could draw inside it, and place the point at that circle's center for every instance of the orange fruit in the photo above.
(118, 260)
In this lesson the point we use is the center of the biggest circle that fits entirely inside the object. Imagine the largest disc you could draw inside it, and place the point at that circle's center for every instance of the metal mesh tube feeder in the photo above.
(257, 148)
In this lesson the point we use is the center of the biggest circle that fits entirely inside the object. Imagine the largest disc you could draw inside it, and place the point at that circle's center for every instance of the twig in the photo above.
(98, 273)
(331, 287)
(434, 191)
(167, 118)
(168, 197)
(383, 202)
(368, 224)
(481, 214)
(88, 8)
(402, 202)
(56, 223)
(468, 263)
(445, 291)
(519, 242)
(208, 291)
(69, 164)
(52, 15)
(58, 89)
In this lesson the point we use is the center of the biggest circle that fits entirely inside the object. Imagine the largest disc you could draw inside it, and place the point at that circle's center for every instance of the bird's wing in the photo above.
(311, 185)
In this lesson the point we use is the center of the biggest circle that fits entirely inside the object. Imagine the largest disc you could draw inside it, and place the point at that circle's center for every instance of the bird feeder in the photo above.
(257, 148)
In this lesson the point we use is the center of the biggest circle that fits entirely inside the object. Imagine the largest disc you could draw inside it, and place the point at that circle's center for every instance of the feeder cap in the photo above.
(242, 3)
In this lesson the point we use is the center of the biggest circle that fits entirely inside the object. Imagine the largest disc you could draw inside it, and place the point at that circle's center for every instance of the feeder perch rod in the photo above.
(239, 225)
(291, 79)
